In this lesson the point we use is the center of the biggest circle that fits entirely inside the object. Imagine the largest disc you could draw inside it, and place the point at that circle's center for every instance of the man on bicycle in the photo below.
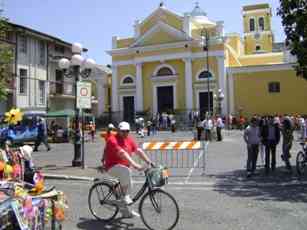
(118, 160)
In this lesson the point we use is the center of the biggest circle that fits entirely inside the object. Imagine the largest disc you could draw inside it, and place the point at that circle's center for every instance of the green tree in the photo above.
(6, 58)
(294, 20)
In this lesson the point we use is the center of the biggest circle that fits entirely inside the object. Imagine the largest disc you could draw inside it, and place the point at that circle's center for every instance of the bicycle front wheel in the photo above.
(300, 163)
(159, 210)
(101, 202)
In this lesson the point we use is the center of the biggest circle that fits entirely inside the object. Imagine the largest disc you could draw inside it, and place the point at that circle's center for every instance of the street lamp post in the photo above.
(219, 98)
(76, 67)
(205, 42)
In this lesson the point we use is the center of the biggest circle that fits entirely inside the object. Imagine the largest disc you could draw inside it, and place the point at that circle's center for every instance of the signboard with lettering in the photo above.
(84, 94)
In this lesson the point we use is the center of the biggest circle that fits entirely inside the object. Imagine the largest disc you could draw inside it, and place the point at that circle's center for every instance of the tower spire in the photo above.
(161, 4)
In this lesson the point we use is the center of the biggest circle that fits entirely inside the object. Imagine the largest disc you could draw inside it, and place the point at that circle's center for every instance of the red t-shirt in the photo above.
(114, 144)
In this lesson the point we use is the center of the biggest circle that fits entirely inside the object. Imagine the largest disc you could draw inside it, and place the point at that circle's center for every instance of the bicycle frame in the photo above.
(140, 193)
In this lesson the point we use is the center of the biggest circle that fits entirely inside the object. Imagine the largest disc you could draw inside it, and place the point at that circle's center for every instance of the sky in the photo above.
(94, 22)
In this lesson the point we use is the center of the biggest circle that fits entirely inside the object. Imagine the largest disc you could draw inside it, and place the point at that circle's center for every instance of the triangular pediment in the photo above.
(164, 15)
(161, 33)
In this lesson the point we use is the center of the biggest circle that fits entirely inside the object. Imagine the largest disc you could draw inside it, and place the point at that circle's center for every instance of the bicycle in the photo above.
(104, 195)
(301, 159)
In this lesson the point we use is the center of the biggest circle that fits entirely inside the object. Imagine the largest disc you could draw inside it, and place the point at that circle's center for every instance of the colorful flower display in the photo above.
(13, 116)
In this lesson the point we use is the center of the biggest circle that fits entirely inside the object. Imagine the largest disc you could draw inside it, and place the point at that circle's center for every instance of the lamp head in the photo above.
(77, 60)
(89, 63)
(64, 63)
(76, 48)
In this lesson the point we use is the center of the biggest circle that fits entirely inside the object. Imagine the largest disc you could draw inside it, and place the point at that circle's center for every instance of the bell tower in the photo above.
(258, 35)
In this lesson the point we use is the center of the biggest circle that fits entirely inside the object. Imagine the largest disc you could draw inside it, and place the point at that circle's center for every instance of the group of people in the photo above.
(158, 122)
(208, 126)
(263, 134)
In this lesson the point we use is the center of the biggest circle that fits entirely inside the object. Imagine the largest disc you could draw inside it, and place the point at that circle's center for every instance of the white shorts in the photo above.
(123, 174)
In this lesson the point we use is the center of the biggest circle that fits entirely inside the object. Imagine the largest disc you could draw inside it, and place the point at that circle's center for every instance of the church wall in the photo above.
(252, 96)
(124, 71)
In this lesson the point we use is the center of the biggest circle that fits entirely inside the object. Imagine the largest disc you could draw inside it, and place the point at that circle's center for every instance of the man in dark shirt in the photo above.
(42, 136)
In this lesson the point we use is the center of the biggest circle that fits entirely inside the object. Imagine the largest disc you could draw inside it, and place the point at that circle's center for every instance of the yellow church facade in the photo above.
(180, 62)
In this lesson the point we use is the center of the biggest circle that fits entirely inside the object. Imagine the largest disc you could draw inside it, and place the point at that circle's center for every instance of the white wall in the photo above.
(35, 71)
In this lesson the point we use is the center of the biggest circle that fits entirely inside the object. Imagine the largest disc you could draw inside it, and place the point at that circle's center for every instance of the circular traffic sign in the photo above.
(83, 92)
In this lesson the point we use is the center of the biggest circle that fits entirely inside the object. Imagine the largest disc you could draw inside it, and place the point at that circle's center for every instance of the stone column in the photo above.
(101, 92)
(114, 93)
(188, 84)
(139, 88)
(222, 82)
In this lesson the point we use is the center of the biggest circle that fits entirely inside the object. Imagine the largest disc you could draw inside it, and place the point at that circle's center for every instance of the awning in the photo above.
(66, 113)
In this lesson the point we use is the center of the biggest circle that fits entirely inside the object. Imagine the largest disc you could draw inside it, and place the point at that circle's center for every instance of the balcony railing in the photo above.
(61, 89)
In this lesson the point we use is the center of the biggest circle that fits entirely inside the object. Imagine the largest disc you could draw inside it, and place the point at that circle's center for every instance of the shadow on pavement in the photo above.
(277, 186)
(117, 224)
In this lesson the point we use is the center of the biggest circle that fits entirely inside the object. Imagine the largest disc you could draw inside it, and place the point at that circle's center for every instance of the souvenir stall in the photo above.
(25, 202)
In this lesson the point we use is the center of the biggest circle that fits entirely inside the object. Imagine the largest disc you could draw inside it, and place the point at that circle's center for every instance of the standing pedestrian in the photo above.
(149, 125)
(92, 127)
(173, 125)
(199, 128)
(208, 125)
(302, 126)
(270, 134)
(287, 132)
(42, 136)
(252, 139)
(261, 123)
(154, 125)
(219, 127)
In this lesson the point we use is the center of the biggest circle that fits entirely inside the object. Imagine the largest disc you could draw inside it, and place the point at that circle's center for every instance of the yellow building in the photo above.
(260, 75)
(164, 66)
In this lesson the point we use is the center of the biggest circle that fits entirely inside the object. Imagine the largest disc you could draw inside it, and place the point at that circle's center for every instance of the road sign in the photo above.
(84, 94)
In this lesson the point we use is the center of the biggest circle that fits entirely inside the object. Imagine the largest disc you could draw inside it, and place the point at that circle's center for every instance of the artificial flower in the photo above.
(13, 116)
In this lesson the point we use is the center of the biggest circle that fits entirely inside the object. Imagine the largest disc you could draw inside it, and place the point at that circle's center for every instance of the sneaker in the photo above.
(130, 214)
(127, 199)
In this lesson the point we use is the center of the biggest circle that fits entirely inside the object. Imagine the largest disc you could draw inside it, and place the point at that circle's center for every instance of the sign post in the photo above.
(84, 96)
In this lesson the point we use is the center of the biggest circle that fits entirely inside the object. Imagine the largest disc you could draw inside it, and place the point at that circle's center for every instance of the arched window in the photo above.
(165, 71)
(261, 23)
(128, 80)
(251, 24)
(258, 47)
(204, 75)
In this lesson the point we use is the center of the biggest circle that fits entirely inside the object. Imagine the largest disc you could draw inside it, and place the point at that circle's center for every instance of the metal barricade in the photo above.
(177, 154)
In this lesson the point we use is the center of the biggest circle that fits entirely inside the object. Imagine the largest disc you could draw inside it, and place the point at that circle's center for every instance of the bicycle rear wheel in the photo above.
(300, 163)
(159, 210)
(100, 203)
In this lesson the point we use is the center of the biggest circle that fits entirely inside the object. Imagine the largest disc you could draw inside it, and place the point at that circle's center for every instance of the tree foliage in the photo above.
(294, 20)
(6, 59)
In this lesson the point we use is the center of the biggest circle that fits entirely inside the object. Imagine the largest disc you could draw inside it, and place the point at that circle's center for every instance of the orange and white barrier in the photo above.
(179, 145)
(177, 154)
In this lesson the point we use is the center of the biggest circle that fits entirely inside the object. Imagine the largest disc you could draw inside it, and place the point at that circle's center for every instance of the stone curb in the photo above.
(67, 177)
